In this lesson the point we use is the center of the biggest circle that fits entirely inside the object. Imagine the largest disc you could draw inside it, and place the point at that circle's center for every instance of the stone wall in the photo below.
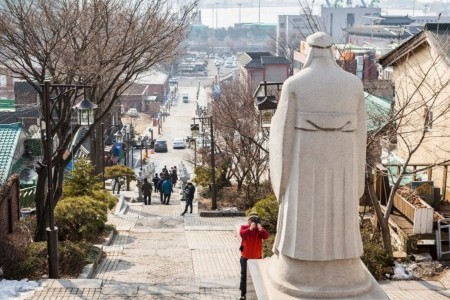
(9, 205)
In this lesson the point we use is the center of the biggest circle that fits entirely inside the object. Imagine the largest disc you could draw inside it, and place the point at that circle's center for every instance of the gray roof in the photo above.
(11, 117)
(433, 33)
(257, 60)
(396, 20)
(274, 60)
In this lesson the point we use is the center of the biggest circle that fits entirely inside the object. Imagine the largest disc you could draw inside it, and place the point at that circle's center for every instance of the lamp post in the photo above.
(141, 143)
(119, 139)
(209, 121)
(266, 102)
(85, 117)
(195, 131)
(103, 147)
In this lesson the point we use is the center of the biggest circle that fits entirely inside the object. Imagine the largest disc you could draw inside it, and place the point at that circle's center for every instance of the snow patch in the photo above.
(18, 289)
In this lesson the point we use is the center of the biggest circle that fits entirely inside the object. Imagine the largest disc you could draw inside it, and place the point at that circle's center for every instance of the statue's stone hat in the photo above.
(319, 40)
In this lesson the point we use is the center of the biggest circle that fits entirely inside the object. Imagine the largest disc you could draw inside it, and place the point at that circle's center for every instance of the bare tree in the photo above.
(103, 43)
(236, 119)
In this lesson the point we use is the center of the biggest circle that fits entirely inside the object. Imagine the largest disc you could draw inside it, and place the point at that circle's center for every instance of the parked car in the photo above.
(132, 112)
(179, 143)
(160, 146)
(185, 98)
(138, 143)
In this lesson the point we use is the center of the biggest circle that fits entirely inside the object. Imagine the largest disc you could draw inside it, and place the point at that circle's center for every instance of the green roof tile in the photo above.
(9, 137)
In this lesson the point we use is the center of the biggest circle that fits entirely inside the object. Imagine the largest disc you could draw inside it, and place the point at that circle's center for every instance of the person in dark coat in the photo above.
(155, 182)
(160, 188)
(189, 192)
(147, 191)
(174, 177)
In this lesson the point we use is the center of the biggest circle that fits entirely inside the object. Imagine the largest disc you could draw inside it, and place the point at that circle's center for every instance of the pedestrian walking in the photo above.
(252, 235)
(147, 191)
(189, 192)
(165, 173)
(160, 188)
(174, 176)
(155, 182)
(167, 190)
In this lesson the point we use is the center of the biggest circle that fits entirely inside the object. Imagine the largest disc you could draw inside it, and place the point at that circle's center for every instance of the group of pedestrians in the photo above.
(164, 184)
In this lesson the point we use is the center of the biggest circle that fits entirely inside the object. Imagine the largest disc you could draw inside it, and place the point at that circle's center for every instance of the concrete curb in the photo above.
(218, 213)
(89, 269)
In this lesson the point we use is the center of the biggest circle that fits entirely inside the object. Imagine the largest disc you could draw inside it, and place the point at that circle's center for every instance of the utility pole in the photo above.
(217, 15)
(259, 11)
(240, 5)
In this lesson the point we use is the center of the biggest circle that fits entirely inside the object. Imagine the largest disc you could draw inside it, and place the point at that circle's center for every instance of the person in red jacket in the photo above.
(251, 247)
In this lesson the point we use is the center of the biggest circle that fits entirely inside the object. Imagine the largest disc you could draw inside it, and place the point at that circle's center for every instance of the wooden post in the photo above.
(415, 174)
(430, 173)
(444, 182)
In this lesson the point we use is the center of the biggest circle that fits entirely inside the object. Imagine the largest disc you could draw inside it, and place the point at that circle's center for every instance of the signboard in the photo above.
(425, 190)
(266, 117)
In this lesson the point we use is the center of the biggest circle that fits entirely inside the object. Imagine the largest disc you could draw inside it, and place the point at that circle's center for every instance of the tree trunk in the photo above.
(382, 222)
(41, 208)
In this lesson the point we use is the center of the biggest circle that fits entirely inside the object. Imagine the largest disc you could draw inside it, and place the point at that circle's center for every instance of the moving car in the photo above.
(161, 146)
(185, 98)
(179, 143)
(132, 112)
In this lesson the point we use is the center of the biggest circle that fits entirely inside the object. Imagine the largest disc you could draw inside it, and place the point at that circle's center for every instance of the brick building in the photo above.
(9, 205)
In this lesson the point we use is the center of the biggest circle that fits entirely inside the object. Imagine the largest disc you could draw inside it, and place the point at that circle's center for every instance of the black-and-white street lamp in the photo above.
(86, 112)
(266, 98)
(119, 137)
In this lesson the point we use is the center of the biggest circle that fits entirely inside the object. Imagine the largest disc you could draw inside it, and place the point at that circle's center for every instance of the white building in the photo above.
(336, 19)
(293, 28)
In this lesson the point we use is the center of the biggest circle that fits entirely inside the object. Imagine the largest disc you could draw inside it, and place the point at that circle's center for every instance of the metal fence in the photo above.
(26, 197)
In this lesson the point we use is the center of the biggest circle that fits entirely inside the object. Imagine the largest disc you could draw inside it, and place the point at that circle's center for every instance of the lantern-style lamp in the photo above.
(119, 137)
(195, 129)
(267, 105)
(85, 112)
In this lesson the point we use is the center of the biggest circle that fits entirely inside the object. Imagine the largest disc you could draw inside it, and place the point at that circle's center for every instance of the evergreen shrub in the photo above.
(106, 197)
(80, 218)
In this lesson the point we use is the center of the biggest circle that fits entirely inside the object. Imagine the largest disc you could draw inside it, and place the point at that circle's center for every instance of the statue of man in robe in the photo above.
(317, 159)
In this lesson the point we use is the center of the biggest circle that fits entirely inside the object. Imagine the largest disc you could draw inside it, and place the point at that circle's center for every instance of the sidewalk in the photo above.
(157, 254)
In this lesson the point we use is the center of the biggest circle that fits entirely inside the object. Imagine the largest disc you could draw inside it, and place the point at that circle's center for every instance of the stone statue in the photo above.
(317, 158)
(317, 163)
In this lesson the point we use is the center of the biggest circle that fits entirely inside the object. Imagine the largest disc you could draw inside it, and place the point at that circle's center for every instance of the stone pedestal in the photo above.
(271, 279)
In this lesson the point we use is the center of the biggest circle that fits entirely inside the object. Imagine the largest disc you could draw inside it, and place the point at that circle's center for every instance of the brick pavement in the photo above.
(157, 254)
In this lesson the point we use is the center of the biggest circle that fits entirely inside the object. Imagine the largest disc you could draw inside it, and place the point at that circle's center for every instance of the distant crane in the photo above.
(337, 3)
(363, 3)
(328, 3)
(373, 2)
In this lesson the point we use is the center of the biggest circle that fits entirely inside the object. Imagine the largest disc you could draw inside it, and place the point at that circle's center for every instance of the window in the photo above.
(350, 20)
(2, 80)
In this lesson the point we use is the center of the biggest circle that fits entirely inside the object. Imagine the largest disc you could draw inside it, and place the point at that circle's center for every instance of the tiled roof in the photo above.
(11, 117)
(257, 60)
(378, 109)
(135, 89)
(9, 137)
(274, 60)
